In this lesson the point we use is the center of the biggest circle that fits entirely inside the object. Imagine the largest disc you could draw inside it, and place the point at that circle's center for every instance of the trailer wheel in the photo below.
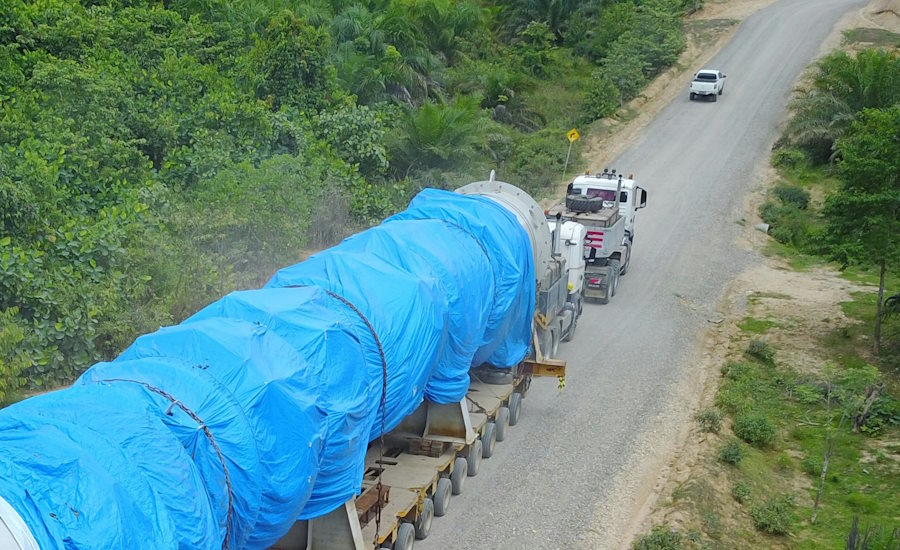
(502, 422)
(458, 476)
(489, 438)
(515, 408)
(476, 452)
(426, 517)
(406, 537)
(441, 496)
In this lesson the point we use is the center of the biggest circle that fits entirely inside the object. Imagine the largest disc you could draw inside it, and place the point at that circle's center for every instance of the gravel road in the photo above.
(550, 484)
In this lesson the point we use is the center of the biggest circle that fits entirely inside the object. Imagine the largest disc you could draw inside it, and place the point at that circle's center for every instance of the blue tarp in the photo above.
(258, 409)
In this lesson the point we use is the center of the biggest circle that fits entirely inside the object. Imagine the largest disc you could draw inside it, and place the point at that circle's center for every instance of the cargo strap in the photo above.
(226, 542)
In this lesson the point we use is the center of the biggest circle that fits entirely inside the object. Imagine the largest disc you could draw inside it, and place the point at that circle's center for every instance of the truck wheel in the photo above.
(442, 496)
(693, 96)
(458, 476)
(476, 454)
(613, 277)
(722, 91)
(489, 439)
(425, 519)
(624, 269)
(406, 537)
(515, 408)
(571, 332)
(554, 345)
(715, 98)
(502, 423)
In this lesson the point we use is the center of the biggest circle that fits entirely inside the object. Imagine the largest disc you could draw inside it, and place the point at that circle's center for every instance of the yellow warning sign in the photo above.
(572, 135)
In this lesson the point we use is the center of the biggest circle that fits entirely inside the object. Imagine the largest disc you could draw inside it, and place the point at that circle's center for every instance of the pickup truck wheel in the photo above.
(458, 476)
(489, 439)
(442, 496)
(425, 519)
(693, 96)
(406, 537)
(715, 98)
(502, 423)
(613, 277)
(476, 454)
(722, 91)
(515, 408)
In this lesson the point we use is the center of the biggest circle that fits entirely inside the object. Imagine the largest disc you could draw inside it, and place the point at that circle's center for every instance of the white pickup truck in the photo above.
(708, 82)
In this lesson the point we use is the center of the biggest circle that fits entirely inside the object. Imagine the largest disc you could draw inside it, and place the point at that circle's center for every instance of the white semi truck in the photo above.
(605, 205)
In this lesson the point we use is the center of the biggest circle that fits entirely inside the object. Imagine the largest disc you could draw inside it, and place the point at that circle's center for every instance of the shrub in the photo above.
(602, 98)
(732, 452)
(812, 465)
(710, 420)
(761, 351)
(659, 538)
(788, 158)
(755, 429)
(741, 492)
(792, 195)
(774, 515)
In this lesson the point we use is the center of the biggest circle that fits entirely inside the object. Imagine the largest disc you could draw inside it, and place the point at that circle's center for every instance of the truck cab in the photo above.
(603, 186)
(605, 204)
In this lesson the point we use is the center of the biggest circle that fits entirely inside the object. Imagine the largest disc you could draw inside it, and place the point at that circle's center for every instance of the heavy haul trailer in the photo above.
(255, 414)
(410, 476)
(419, 474)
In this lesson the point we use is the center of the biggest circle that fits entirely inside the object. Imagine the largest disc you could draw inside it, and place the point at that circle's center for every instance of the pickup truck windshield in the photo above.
(706, 77)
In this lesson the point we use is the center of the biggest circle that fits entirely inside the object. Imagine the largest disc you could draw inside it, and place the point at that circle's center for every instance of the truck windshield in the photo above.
(607, 194)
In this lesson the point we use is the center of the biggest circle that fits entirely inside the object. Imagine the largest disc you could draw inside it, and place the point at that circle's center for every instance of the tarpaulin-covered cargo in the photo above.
(256, 411)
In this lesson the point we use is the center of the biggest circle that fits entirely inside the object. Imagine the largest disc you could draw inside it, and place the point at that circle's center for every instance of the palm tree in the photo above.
(841, 87)
(439, 135)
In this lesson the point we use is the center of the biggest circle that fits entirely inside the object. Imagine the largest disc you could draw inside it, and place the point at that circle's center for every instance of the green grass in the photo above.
(876, 37)
(756, 326)
(862, 478)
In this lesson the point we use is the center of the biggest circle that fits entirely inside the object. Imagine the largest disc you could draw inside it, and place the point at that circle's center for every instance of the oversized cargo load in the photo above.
(223, 430)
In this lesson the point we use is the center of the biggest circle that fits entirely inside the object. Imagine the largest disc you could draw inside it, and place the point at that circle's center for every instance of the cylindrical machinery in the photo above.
(223, 430)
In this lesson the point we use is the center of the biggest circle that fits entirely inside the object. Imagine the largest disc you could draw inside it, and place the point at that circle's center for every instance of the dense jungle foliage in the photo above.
(156, 155)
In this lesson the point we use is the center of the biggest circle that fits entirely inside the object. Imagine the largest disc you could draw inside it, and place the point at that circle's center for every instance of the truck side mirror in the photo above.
(643, 202)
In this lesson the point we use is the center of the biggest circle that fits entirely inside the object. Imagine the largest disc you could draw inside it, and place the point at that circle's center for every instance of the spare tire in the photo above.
(580, 203)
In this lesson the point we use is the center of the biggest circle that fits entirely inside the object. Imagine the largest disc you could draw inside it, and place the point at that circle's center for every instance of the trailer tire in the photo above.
(425, 519)
(489, 439)
(614, 267)
(476, 454)
(441, 496)
(406, 537)
(502, 422)
(515, 408)
(459, 474)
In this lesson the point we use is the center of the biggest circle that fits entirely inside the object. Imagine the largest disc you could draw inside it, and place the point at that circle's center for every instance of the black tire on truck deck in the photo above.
(580, 203)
